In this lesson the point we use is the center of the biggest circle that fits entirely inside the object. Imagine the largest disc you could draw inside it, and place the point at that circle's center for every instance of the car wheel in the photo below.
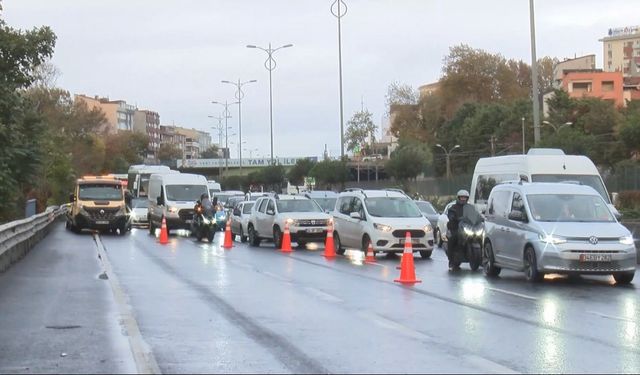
(426, 254)
(337, 245)
(531, 266)
(243, 238)
(488, 262)
(436, 237)
(623, 278)
(254, 240)
(277, 237)
(123, 229)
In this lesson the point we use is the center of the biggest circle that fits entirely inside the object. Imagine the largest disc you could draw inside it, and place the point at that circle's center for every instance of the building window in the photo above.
(610, 54)
(581, 87)
(607, 85)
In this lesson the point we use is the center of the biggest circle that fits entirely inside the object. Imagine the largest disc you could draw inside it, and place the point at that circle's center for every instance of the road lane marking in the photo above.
(612, 317)
(142, 354)
(324, 295)
(392, 325)
(488, 365)
(277, 277)
(513, 294)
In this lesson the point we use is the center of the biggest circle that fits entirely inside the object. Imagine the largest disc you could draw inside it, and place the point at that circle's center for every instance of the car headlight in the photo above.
(627, 240)
(428, 228)
(382, 227)
(291, 222)
(552, 239)
(173, 209)
(133, 215)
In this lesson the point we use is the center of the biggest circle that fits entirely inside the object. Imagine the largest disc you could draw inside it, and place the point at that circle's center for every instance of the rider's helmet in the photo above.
(463, 196)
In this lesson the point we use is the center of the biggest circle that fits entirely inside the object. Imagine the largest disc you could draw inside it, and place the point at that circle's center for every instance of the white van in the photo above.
(214, 187)
(538, 165)
(173, 196)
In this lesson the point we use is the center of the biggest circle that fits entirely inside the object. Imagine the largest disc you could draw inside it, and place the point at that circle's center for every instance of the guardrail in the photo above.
(18, 237)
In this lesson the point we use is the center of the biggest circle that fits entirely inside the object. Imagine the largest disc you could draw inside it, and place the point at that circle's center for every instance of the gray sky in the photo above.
(170, 56)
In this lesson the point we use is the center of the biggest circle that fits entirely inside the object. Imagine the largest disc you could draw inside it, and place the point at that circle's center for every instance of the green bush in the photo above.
(629, 200)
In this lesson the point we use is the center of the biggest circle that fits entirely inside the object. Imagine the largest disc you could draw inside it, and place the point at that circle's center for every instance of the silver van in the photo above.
(565, 228)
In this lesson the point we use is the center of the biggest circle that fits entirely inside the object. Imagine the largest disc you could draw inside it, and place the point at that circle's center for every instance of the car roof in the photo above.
(321, 194)
(375, 193)
(290, 197)
(551, 188)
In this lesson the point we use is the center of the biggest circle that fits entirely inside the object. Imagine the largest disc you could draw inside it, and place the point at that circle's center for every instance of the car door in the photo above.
(341, 216)
(515, 232)
(496, 216)
(266, 223)
(236, 218)
(259, 213)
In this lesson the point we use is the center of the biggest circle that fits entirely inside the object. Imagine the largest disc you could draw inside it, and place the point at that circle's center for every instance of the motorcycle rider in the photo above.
(208, 209)
(460, 210)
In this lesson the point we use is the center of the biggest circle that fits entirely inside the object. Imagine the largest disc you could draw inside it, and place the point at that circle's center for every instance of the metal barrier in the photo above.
(18, 237)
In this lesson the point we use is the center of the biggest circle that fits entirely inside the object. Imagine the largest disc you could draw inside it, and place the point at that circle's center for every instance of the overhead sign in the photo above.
(628, 30)
(235, 163)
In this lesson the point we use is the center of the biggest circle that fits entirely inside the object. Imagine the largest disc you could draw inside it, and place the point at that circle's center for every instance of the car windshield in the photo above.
(426, 208)
(224, 197)
(298, 205)
(326, 203)
(246, 209)
(104, 192)
(588, 179)
(140, 203)
(569, 207)
(392, 207)
(190, 193)
(232, 201)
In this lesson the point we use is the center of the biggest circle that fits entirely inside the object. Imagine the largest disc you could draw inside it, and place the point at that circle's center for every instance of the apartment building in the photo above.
(148, 122)
(118, 114)
(621, 50)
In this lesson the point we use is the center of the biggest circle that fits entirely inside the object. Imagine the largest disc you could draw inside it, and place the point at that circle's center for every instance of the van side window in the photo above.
(162, 194)
(356, 206)
(271, 206)
(486, 182)
(263, 206)
(518, 203)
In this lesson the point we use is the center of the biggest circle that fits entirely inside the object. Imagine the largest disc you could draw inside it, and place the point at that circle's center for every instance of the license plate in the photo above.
(102, 222)
(595, 258)
(413, 241)
(314, 230)
(188, 221)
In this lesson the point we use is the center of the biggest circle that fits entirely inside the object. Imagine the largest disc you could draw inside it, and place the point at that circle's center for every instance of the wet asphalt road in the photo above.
(195, 307)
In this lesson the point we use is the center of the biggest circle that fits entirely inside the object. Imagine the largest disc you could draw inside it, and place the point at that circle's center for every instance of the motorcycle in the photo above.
(470, 236)
(221, 219)
(203, 224)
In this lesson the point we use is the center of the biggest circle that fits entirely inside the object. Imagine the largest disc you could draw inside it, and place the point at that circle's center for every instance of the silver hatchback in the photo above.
(562, 228)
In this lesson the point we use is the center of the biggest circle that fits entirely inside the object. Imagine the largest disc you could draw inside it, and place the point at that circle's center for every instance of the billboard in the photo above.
(235, 163)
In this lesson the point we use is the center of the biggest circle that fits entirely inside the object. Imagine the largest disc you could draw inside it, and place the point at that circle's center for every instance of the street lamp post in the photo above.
(338, 13)
(534, 76)
(239, 96)
(557, 128)
(448, 154)
(523, 136)
(219, 129)
(270, 64)
(227, 116)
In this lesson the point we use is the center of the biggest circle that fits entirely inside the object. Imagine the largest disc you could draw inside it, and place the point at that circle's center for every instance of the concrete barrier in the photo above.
(634, 228)
(20, 236)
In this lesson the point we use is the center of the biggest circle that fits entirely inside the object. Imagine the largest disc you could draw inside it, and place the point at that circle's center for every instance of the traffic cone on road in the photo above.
(164, 234)
(228, 243)
(371, 257)
(285, 247)
(407, 269)
(329, 246)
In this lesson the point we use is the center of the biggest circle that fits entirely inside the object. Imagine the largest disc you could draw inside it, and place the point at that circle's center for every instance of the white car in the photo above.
(307, 220)
(441, 229)
(240, 220)
(382, 218)
(139, 211)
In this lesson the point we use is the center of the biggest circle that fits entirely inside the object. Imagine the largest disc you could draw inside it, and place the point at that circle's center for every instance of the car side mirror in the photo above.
(72, 198)
(517, 216)
(355, 215)
(159, 201)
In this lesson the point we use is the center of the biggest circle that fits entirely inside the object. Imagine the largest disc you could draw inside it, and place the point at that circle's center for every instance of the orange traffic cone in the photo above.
(329, 246)
(164, 234)
(371, 257)
(228, 243)
(285, 247)
(407, 271)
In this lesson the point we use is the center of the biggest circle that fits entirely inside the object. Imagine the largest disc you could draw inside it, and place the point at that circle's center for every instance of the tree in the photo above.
(359, 128)
(21, 128)
(273, 177)
(330, 172)
(125, 148)
(399, 93)
(210, 153)
(630, 128)
(299, 171)
(407, 162)
(169, 151)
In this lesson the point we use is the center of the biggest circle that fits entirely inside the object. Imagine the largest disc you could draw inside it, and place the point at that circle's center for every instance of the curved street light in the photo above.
(270, 64)
(226, 116)
(339, 13)
(557, 128)
(239, 95)
(448, 154)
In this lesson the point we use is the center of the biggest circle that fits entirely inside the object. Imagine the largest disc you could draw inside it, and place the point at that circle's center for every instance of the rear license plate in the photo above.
(314, 230)
(595, 258)
(102, 222)
(413, 241)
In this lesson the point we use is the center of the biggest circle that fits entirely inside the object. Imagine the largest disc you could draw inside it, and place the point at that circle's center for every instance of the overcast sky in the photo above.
(170, 56)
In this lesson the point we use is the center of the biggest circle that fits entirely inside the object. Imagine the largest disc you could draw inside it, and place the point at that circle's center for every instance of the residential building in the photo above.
(148, 122)
(621, 50)
(169, 135)
(587, 62)
(429, 89)
(631, 89)
(596, 84)
(118, 114)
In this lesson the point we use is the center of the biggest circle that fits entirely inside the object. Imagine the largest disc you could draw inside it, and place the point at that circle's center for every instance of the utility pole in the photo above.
(534, 77)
